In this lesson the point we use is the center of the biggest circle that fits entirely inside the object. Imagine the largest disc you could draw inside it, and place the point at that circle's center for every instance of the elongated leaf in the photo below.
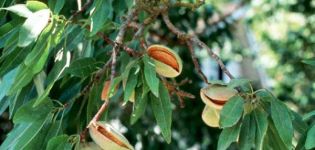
(6, 82)
(23, 77)
(150, 75)
(94, 101)
(4, 104)
(309, 143)
(273, 139)
(19, 98)
(33, 26)
(27, 113)
(139, 105)
(309, 115)
(298, 123)
(260, 118)
(248, 133)
(131, 83)
(103, 11)
(24, 133)
(228, 136)
(83, 67)
(162, 111)
(38, 142)
(231, 112)
(59, 143)
(56, 5)
(238, 82)
(19, 9)
(14, 59)
(282, 121)
(310, 61)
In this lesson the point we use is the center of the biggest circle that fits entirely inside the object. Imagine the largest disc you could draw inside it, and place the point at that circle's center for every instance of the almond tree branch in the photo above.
(195, 61)
(117, 43)
(194, 40)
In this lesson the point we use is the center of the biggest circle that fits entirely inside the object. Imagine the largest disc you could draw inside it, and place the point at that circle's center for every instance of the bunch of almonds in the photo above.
(167, 62)
(215, 96)
(107, 138)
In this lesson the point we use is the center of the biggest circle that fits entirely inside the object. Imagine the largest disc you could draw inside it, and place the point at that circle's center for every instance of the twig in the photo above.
(196, 63)
(214, 56)
(84, 7)
(118, 41)
(194, 40)
(130, 51)
(141, 27)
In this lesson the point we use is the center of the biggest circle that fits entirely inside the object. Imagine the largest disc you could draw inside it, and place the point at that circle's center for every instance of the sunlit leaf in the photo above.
(33, 26)
(19, 9)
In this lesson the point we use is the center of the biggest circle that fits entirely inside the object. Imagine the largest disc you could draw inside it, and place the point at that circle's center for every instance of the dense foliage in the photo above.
(66, 64)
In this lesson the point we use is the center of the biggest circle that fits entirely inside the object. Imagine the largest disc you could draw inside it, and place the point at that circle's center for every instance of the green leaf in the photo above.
(228, 136)
(22, 135)
(94, 101)
(6, 82)
(298, 123)
(13, 59)
(238, 82)
(231, 112)
(35, 6)
(4, 104)
(260, 118)
(310, 61)
(162, 111)
(131, 83)
(59, 143)
(19, 9)
(7, 34)
(83, 67)
(264, 95)
(33, 26)
(27, 113)
(23, 77)
(309, 143)
(273, 139)
(102, 11)
(150, 75)
(282, 121)
(139, 105)
(56, 5)
(19, 98)
(248, 133)
(309, 115)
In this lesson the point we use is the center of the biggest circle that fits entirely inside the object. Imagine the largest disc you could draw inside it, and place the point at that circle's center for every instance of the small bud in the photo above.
(108, 138)
(216, 95)
(167, 62)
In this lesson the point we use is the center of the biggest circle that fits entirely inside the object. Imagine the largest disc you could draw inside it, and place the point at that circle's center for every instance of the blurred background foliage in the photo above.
(263, 40)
